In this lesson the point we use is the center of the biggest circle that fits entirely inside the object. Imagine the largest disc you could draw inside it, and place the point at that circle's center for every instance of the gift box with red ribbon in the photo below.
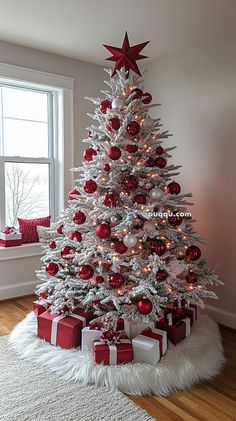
(89, 335)
(64, 329)
(120, 324)
(10, 237)
(40, 306)
(134, 327)
(177, 328)
(185, 310)
(120, 351)
(150, 346)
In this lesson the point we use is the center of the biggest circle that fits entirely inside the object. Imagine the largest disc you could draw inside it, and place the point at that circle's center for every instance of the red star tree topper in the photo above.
(126, 56)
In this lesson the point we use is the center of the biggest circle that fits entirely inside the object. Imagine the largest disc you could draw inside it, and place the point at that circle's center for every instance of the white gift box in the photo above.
(187, 322)
(134, 327)
(88, 338)
(150, 349)
(4, 236)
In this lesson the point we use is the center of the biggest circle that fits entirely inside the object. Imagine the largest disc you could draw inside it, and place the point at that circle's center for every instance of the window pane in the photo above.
(25, 138)
(25, 104)
(27, 191)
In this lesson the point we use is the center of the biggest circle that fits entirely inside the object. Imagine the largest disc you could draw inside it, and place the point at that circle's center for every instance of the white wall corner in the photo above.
(221, 316)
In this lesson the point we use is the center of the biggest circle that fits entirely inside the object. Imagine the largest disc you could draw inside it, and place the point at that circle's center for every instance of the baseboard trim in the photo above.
(17, 290)
(221, 316)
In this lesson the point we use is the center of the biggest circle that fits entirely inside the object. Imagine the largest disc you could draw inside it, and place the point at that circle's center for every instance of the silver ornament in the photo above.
(130, 240)
(156, 194)
(148, 123)
(148, 185)
(117, 104)
(149, 227)
(177, 267)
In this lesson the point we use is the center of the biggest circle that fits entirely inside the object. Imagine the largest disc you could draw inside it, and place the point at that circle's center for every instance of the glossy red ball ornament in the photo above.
(174, 188)
(89, 154)
(159, 150)
(90, 186)
(116, 280)
(71, 193)
(105, 105)
(111, 200)
(75, 235)
(79, 218)
(138, 93)
(60, 229)
(106, 265)
(133, 128)
(113, 124)
(160, 162)
(147, 98)
(175, 220)
(99, 279)
(103, 231)
(140, 199)
(191, 278)
(43, 294)
(52, 268)
(158, 247)
(107, 168)
(114, 153)
(130, 182)
(86, 272)
(120, 247)
(150, 162)
(53, 245)
(66, 253)
(131, 148)
(161, 275)
(193, 253)
(144, 306)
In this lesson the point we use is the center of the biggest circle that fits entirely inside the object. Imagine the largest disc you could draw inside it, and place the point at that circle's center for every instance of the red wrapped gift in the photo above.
(176, 331)
(10, 237)
(113, 354)
(185, 309)
(39, 307)
(120, 325)
(62, 329)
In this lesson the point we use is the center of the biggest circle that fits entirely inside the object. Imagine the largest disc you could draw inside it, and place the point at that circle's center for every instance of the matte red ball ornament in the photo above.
(150, 162)
(160, 162)
(53, 245)
(159, 150)
(103, 231)
(111, 200)
(120, 247)
(86, 272)
(66, 253)
(174, 188)
(116, 280)
(130, 182)
(89, 154)
(114, 153)
(107, 168)
(113, 124)
(52, 268)
(105, 105)
(90, 186)
(60, 229)
(133, 128)
(191, 278)
(147, 98)
(131, 148)
(193, 253)
(175, 220)
(75, 235)
(144, 306)
(161, 275)
(71, 193)
(140, 199)
(158, 247)
(79, 218)
(138, 93)
(99, 279)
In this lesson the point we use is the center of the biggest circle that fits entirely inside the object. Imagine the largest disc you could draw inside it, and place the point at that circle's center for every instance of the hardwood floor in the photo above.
(213, 400)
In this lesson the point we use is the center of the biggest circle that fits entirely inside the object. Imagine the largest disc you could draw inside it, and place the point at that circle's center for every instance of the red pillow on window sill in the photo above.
(28, 228)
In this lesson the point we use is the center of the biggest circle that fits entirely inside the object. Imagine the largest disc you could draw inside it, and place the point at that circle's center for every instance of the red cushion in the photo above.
(28, 228)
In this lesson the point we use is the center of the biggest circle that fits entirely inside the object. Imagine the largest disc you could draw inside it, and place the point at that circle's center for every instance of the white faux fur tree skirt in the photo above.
(199, 357)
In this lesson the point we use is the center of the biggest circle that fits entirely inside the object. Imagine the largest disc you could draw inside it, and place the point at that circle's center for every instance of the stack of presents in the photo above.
(10, 237)
(132, 340)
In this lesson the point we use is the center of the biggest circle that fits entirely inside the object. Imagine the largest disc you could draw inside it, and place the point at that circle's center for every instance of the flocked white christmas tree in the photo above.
(124, 247)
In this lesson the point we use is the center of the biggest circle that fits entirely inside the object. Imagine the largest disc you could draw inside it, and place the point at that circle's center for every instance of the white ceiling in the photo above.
(78, 28)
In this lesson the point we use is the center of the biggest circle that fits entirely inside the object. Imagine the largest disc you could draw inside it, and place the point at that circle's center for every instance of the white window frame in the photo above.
(61, 88)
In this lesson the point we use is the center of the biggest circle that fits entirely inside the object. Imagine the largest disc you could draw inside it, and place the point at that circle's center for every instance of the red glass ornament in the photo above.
(103, 231)
(138, 93)
(147, 98)
(130, 182)
(131, 148)
(53, 245)
(95, 303)
(75, 235)
(52, 268)
(111, 200)
(174, 188)
(191, 278)
(114, 153)
(107, 168)
(116, 280)
(106, 265)
(160, 162)
(43, 294)
(193, 253)
(161, 275)
(105, 105)
(150, 162)
(133, 128)
(71, 193)
(79, 218)
(99, 279)
(140, 199)
(113, 123)
(159, 150)
(157, 246)
(60, 229)
(144, 306)
(90, 186)
(120, 247)
(175, 220)
(86, 272)
(89, 154)
(66, 253)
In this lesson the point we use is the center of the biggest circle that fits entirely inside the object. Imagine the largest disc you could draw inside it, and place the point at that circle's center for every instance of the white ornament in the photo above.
(149, 227)
(148, 122)
(130, 240)
(117, 104)
(156, 194)
(177, 267)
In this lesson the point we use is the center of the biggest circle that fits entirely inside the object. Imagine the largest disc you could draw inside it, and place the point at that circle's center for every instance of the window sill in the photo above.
(18, 252)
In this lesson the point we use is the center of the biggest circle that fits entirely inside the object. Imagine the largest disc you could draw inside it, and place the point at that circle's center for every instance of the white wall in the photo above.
(197, 90)
(17, 275)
